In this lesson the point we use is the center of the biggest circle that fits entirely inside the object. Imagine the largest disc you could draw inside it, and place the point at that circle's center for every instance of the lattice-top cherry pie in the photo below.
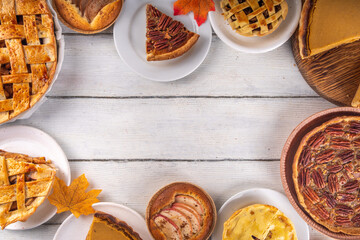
(25, 183)
(326, 174)
(28, 55)
(254, 17)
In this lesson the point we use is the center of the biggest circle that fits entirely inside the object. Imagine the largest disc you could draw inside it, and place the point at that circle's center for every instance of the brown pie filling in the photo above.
(90, 8)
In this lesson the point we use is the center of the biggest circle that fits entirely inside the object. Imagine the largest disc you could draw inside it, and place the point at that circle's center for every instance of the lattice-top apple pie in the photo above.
(254, 17)
(25, 183)
(28, 55)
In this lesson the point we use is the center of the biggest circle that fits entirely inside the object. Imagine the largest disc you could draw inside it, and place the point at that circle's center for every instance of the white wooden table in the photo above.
(222, 127)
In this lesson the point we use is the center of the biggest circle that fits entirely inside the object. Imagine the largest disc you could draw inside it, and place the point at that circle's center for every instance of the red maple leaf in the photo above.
(199, 7)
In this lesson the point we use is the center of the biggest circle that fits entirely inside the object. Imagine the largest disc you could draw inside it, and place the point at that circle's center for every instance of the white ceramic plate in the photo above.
(256, 44)
(35, 143)
(77, 228)
(261, 196)
(129, 37)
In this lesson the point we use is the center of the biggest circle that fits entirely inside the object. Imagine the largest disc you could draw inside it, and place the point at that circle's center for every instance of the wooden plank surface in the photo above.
(92, 67)
(175, 128)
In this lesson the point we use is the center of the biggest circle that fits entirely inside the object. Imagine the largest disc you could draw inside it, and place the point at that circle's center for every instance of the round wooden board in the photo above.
(335, 74)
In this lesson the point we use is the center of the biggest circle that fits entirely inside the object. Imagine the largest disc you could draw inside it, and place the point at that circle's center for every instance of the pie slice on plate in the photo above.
(166, 38)
(106, 226)
(325, 25)
(25, 183)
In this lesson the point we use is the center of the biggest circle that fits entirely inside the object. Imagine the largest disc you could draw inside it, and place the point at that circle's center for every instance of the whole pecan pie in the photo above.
(326, 174)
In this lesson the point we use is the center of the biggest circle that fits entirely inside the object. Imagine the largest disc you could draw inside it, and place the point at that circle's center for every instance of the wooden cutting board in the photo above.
(334, 75)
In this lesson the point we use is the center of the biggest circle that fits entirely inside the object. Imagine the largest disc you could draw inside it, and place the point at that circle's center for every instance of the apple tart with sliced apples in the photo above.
(181, 211)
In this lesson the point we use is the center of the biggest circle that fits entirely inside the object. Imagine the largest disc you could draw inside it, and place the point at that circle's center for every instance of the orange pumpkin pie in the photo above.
(106, 226)
(325, 25)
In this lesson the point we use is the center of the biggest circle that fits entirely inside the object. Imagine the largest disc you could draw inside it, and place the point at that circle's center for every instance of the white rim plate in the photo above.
(261, 196)
(77, 228)
(129, 37)
(35, 143)
(256, 44)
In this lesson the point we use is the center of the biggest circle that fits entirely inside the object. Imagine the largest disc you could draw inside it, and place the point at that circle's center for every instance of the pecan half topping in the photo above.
(179, 39)
(356, 219)
(151, 24)
(330, 200)
(304, 177)
(155, 12)
(316, 140)
(318, 179)
(325, 156)
(340, 143)
(346, 156)
(354, 127)
(334, 168)
(340, 220)
(335, 129)
(351, 186)
(345, 197)
(356, 143)
(322, 213)
(175, 28)
(156, 35)
(343, 210)
(333, 183)
(162, 44)
(164, 21)
(311, 195)
(305, 157)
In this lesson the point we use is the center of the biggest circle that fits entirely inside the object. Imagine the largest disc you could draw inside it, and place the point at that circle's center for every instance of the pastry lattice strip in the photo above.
(24, 184)
(254, 17)
(27, 52)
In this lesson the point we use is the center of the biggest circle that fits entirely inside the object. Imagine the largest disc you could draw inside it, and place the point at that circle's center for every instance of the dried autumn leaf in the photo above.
(74, 198)
(199, 7)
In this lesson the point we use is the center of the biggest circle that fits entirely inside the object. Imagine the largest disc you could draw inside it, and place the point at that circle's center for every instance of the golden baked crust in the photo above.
(28, 55)
(325, 173)
(176, 53)
(254, 18)
(303, 28)
(91, 17)
(25, 183)
(258, 221)
(115, 223)
(165, 198)
(166, 38)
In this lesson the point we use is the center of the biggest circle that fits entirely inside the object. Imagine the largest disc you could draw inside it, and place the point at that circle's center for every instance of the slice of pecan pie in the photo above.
(166, 37)
(326, 174)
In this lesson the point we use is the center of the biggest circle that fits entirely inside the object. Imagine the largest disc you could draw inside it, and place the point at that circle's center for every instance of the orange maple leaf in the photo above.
(199, 7)
(74, 198)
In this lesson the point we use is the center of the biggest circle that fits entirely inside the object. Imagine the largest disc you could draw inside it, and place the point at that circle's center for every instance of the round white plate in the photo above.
(261, 196)
(256, 44)
(35, 143)
(77, 228)
(129, 37)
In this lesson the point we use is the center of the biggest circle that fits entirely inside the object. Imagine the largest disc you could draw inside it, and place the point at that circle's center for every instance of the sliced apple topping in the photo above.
(193, 216)
(181, 220)
(188, 200)
(168, 227)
